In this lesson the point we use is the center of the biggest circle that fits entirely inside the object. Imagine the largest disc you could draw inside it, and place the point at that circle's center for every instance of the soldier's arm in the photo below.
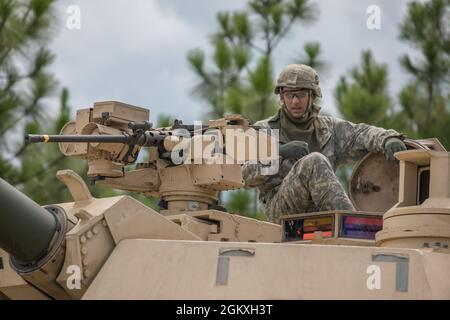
(255, 175)
(355, 140)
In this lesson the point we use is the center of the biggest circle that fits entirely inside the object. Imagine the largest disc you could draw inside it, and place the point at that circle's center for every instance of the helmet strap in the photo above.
(309, 103)
(310, 100)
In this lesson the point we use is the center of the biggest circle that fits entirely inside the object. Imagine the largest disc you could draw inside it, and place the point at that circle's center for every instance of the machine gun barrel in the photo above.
(26, 229)
(36, 138)
(147, 138)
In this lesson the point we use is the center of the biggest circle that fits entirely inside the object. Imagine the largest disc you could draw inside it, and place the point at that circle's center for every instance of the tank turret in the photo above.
(396, 246)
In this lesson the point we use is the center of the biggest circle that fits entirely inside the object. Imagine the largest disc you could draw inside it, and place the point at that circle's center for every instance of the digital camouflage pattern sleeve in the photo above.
(353, 141)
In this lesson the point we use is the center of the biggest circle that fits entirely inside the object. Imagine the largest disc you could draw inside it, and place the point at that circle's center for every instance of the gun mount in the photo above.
(110, 136)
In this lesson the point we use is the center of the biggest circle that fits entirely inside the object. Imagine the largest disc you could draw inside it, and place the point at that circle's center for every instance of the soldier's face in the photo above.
(296, 102)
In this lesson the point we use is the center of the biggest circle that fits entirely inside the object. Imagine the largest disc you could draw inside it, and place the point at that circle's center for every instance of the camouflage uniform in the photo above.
(310, 184)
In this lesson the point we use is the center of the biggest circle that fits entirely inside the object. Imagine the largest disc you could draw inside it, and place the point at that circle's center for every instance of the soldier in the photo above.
(311, 147)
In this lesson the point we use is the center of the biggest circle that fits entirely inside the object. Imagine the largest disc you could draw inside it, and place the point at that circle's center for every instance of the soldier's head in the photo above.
(298, 86)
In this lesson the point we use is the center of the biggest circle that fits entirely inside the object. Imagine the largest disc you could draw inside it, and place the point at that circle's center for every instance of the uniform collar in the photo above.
(324, 131)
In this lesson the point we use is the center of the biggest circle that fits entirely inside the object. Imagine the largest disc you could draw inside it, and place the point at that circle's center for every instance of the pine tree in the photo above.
(24, 30)
(425, 101)
(312, 57)
(26, 26)
(39, 163)
(241, 79)
(363, 95)
(423, 110)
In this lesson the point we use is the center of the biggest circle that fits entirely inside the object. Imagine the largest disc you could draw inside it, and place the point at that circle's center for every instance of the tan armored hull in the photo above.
(396, 246)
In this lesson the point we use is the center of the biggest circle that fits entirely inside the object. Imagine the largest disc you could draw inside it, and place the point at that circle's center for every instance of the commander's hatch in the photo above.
(374, 183)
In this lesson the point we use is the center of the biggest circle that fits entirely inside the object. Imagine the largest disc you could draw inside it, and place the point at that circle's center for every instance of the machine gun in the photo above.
(111, 134)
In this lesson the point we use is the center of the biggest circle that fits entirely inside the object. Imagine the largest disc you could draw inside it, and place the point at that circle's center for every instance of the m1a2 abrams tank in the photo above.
(396, 246)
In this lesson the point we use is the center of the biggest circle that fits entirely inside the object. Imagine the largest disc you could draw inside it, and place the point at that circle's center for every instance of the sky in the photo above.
(135, 51)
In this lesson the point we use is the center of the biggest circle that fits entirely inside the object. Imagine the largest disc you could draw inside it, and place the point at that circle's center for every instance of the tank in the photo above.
(395, 246)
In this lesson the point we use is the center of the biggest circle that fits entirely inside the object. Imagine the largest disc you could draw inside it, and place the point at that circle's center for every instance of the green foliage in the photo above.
(241, 77)
(164, 120)
(423, 110)
(242, 202)
(39, 163)
(25, 29)
(364, 97)
(222, 55)
(261, 82)
(213, 84)
(239, 202)
(64, 112)
(312, 56)
(425, 100)
(261, 77)
(344, 173)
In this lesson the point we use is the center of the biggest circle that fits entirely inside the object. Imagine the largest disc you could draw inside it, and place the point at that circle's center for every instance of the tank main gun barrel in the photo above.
(26, 229)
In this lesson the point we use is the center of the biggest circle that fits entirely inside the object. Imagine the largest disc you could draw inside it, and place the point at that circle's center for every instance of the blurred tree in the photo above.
(362, 96)
(425, 100)
(423, 110)
(213, 85)
(239, 203)
(164, 120)
(39, 163)
(312, 56)
(26, 27)
(24, 30)
(241, 79)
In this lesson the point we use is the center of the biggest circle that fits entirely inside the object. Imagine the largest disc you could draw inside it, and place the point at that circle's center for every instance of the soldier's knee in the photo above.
(312, 163)
(315, 158)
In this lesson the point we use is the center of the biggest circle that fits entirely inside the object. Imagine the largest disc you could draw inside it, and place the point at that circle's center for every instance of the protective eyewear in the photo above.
(299, 94)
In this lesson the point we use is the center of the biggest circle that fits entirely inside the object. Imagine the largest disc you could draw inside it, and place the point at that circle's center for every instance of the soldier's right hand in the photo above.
(294, 149)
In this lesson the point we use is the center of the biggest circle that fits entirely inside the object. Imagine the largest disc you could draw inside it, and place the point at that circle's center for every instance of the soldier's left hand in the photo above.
(294, 149)
(392, 146)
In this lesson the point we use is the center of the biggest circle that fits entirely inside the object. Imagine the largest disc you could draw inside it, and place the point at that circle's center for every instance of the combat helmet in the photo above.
(298, 76)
